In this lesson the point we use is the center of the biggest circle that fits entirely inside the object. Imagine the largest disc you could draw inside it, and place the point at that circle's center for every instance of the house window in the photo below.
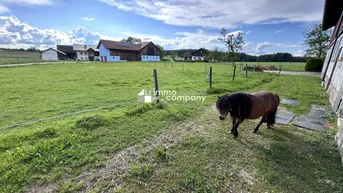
(81, 53)
(81, 58)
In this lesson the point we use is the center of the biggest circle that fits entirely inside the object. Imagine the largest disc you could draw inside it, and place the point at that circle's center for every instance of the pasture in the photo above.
(76, 152)
(16, 56)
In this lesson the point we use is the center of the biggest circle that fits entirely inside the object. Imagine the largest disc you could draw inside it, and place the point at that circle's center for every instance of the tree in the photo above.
(173, 55)
(131, 40)
(215, 54)
(317, 41)
(233, 42)
(32, 49)
(161, 52)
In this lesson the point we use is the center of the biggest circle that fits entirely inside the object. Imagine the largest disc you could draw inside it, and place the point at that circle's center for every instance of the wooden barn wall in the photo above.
(150, 50)
(126, 55)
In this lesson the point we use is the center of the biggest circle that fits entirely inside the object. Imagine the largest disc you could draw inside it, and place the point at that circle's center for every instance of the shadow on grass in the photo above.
(299, 163)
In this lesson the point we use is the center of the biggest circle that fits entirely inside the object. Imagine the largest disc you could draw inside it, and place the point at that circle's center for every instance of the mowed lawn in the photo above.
(57, 151)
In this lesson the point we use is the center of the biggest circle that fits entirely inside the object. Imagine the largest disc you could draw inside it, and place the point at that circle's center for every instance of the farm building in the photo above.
(332, 73)
(86, 52)
(113, 51)
(196, 55)
(68, 50)
(53, 54)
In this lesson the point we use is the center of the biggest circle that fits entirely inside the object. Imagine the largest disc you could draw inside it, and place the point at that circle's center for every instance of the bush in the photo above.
(314, 65)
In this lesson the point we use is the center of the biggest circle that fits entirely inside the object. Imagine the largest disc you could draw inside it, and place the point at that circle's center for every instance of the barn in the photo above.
(332, 72)
(53, 54)
(67, 49)
(114, 51)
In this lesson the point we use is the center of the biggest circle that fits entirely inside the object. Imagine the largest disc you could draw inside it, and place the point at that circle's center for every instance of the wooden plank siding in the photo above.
(126, 55)
(150, 50)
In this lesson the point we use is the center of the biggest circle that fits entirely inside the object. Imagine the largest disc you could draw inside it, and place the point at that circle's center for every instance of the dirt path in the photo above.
(119, 164)
(295, 73)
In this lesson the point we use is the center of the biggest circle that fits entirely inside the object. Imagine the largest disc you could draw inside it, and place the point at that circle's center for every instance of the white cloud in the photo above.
(300, 53)
(3, 9)
(15, 33)
(279, 31)
(264, 45)
(248, 32)
(89, 18)
(223, 13)
(29, 2)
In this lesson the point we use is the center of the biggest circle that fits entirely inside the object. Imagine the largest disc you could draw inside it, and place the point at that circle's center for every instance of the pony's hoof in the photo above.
(257, 132)
(254, 131)
(230, 132)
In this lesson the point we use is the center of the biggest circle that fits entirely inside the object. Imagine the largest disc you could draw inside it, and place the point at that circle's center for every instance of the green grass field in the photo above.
(55, 153)
(13, 57)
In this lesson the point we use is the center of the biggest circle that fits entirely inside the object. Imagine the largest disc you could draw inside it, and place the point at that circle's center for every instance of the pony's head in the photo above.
(223, 106)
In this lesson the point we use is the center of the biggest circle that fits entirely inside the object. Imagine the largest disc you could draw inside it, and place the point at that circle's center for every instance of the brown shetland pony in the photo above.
(243, 106)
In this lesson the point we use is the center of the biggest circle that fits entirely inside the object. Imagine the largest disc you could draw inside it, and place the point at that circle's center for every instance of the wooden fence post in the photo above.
(156, 86)
(211, 77)
(234, 73)
(246, 70)
(280, 69)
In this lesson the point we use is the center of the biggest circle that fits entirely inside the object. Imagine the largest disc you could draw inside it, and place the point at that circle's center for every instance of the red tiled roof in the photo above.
(115, 45)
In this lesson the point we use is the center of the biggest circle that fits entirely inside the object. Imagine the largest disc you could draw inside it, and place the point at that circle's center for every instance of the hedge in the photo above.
(314, 65)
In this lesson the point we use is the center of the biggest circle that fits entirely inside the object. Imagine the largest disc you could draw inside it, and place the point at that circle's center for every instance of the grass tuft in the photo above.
(91, 122)
(142, 171)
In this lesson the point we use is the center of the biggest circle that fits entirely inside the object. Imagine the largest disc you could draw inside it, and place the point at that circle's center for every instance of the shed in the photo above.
(52, 54)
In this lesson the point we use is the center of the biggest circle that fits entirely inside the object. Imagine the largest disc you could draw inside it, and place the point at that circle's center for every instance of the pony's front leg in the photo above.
(234, 120)
(235, 127)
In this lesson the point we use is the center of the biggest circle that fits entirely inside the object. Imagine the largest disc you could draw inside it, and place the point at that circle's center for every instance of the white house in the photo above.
(53, 54)
(198, 55)
(86, 52)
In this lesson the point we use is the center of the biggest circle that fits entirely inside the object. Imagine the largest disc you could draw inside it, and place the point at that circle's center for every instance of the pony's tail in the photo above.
(278, 99)
(271, 118)
(272, 115)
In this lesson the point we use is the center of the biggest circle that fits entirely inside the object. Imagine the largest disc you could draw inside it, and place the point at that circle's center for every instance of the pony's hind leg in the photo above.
(258, 126)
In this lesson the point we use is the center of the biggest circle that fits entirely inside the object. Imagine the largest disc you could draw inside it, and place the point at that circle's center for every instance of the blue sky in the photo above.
(269, 26)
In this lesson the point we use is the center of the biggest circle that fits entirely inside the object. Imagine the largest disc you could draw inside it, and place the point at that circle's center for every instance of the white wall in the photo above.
(50, 55)
(195, 58)
(82, 55)
(146, 58)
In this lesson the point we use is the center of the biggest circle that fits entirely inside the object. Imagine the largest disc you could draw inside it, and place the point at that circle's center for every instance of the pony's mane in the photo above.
(239, 103)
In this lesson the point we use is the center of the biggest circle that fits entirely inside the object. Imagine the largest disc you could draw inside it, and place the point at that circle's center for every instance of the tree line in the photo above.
(218, 55)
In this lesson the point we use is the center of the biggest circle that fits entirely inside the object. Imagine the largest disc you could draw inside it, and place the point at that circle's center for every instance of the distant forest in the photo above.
(32, 49)
(242, 57)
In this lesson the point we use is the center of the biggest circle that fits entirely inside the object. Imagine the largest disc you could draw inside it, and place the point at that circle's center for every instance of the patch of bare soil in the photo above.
(119, 164)
(261, 68)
